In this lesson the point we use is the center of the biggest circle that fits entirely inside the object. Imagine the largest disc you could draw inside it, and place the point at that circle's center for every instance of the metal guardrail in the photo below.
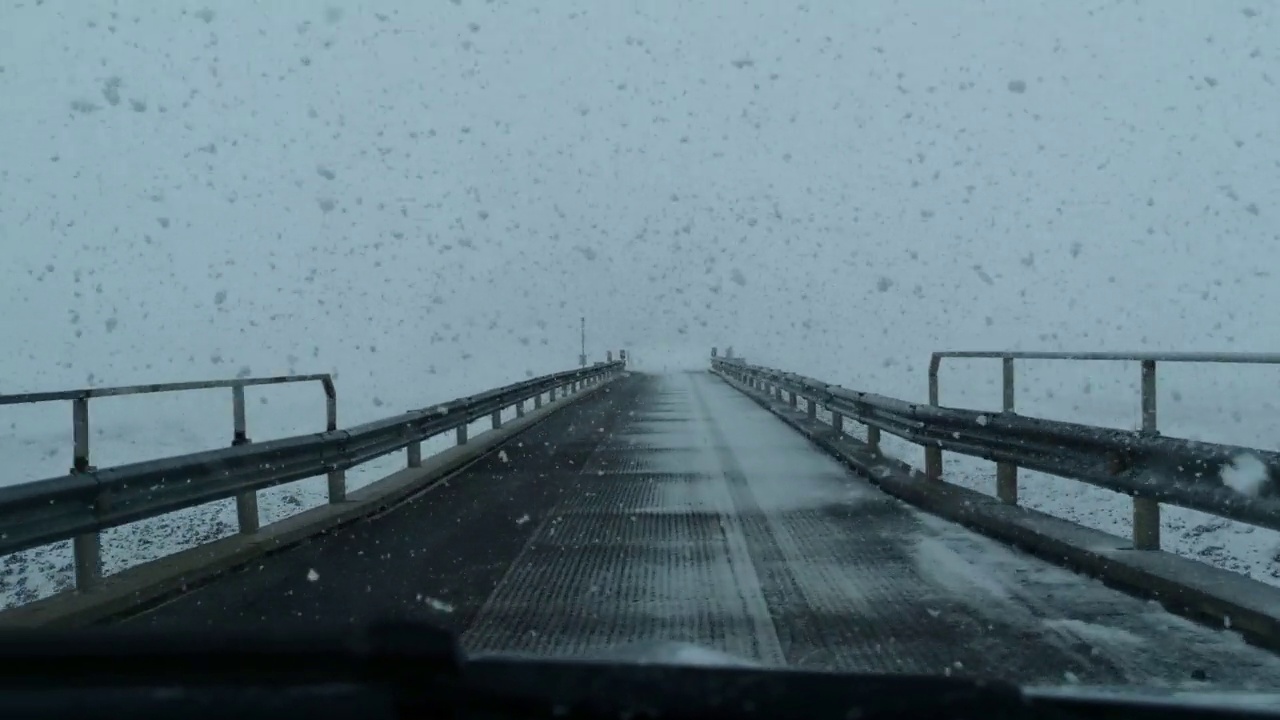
(1146, 511)
(83, 504)
(1144, 465)
(88, 546)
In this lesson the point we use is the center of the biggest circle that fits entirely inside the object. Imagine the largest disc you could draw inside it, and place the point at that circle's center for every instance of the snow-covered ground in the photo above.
(423, 198)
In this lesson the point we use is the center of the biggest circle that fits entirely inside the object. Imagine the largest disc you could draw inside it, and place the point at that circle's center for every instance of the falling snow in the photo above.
(805, 187)
(437, 605)
(1246, 474)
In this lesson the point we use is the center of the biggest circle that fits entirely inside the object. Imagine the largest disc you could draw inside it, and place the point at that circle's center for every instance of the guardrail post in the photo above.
(791, 399)
(1146, 524)
(461, 434)
(873, 432)
(520, 409)
(1006, 472)
(1149, 425)
(247, 513)
(537, 401)
(80, 435)
(337, 479)
(1146, 511)
(495, 419)
(337, 486)
(239, 430)
(837, 422)
(247, 502)
(811, 408)
(551, 395)
(86, 551)
(933, 454)
(414, 455)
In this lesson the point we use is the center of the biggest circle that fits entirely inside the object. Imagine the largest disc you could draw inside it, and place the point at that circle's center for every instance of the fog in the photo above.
(424, 198)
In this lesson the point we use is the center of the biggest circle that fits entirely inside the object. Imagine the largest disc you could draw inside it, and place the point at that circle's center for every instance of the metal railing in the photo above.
(86, 548)
(1146, 511)
(1144, 465)
(81, 505)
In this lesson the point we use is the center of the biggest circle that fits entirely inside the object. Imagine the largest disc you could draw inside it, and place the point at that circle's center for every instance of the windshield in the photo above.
(527, 320)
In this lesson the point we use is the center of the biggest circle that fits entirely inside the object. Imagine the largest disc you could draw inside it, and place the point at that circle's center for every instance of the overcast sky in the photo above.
(425, 196)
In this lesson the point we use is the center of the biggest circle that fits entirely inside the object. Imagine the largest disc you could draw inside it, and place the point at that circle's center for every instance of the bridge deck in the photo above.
(672, 507)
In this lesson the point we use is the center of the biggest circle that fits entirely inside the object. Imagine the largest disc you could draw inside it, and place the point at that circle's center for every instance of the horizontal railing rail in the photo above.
(86, 393)
(1146, 466)
(1194, 357)
(81, 505)
(80, 404)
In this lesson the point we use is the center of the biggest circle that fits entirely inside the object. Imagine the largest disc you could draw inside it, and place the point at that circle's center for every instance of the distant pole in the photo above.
(582, 358)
